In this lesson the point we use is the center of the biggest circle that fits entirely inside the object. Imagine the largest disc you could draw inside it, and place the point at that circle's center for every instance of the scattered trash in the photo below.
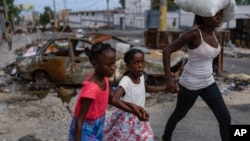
(29, 138)
(37, 86)
(239, 77)
(235, 82)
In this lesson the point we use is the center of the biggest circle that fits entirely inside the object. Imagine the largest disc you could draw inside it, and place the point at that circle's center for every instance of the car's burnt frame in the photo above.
(153, 74)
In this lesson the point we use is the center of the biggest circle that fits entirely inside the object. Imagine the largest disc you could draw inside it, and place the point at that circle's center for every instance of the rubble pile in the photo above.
(234, 82)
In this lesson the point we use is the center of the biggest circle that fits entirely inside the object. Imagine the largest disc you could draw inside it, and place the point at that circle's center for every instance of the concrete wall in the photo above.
(85, 19)
(132, 18)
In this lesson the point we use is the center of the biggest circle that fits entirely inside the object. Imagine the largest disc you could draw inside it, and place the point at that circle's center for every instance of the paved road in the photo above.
(236, 65)
(200, 123)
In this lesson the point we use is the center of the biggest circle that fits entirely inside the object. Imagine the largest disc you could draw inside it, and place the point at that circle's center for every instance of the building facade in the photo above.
(135, 16)
(85, 19)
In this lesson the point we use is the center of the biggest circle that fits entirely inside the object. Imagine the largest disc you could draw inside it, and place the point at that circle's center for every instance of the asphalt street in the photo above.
(236, 65)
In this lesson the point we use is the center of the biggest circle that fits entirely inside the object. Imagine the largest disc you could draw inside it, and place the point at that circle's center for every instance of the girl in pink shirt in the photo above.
(89, 113)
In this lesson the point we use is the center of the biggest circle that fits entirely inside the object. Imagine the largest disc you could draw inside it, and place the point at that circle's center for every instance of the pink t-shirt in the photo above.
(100, 99)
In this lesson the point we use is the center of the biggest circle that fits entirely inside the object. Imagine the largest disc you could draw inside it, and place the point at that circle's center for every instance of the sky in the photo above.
(74, 5)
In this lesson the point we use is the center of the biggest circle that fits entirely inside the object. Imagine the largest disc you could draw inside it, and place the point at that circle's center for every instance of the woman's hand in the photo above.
(172, 87)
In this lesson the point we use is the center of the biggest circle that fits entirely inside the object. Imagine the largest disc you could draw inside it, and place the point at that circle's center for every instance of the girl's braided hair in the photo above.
(129, 55)
(97, 49)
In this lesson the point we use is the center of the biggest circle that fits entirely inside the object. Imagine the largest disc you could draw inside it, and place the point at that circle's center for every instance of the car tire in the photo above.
(41, 76)
(155, 80)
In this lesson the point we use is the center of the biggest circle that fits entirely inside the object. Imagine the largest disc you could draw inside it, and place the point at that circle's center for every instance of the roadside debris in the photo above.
(239, 77)
(233, 82)
(29, 138)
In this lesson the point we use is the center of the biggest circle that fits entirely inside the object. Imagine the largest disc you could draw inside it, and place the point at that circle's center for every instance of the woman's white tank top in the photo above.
(198, 72)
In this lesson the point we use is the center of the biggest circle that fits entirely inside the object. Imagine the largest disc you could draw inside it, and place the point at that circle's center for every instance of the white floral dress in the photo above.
(124, 126)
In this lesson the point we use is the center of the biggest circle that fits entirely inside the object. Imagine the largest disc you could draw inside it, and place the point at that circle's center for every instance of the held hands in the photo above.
(141, 113)
(172, 87)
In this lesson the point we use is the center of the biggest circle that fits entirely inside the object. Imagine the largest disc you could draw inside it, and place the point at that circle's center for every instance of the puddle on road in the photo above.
(65, 94)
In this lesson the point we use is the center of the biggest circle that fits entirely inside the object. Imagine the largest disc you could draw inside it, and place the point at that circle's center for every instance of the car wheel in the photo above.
(41, 76)
(155, 80)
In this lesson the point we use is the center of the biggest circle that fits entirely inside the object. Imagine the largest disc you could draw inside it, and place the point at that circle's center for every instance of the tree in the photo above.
(242, 2)
(170, 5)
(155, 4)
(45, 17)
(13, 11)
(122, 2)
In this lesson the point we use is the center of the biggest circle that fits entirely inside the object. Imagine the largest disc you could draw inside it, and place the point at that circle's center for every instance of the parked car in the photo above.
(62, 60)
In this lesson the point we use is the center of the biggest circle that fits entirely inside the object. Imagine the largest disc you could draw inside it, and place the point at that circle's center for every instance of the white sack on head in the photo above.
(208, 8)
(229, 11)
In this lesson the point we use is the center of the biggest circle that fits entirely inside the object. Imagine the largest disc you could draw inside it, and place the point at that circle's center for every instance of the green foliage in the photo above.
(14, 11)
(155, 4)
(242, 2)
(45, 17)
(122, 2)
(170, 5)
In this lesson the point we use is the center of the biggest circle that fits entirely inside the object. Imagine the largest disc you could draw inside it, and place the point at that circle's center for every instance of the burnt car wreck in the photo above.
(62, 60)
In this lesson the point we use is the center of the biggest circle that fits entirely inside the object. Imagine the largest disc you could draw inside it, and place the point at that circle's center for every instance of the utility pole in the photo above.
(6, 9)
(140, 6)
(65, 13)
(179, 18)
(162, 39)
(163, 15)
(55, 19)
(108, 14)
(64, 4)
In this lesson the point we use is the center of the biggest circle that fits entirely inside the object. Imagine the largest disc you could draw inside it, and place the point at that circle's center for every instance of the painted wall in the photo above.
(134, 17)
